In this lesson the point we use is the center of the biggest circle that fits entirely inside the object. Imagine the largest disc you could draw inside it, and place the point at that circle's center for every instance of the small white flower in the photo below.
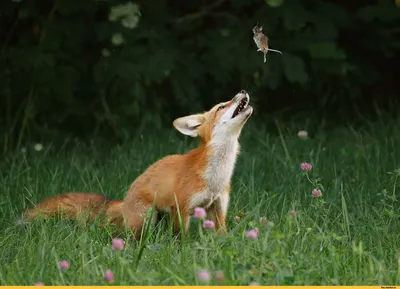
(38, 147)
(117, 39)
(130, 21)
(302, 133)
(23, 150)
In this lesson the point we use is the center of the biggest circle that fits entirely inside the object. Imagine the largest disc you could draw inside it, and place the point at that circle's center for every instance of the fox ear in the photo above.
(188, 125)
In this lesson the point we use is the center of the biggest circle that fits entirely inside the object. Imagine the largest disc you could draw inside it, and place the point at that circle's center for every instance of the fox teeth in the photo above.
(240, 108)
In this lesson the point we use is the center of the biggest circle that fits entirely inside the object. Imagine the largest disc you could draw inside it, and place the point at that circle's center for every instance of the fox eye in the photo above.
(221, 107)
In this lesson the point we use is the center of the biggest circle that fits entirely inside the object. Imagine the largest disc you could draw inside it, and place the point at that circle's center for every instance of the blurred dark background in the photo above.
(80, 68)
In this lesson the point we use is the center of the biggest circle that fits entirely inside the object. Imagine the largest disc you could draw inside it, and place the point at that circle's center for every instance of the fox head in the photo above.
(224, 120)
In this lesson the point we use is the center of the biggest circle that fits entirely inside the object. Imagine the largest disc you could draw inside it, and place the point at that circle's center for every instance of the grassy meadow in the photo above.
(349, 236)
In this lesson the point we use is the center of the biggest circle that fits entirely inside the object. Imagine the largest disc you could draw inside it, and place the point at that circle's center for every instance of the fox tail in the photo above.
(76, 205)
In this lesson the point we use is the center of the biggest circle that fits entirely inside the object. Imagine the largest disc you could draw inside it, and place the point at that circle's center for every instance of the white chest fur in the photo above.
(221, 163)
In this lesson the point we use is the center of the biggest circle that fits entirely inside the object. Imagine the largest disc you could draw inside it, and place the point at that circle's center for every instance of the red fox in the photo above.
(175, 183)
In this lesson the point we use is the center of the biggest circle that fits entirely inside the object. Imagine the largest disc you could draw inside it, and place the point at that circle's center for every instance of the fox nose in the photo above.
(243, 91)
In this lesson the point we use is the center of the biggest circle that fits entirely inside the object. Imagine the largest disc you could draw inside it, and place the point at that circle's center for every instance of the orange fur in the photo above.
(175, 183)
(76, 205)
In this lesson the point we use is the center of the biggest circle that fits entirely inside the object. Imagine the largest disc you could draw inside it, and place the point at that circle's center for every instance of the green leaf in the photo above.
(326, 50)
(117, 39)
(294, 69)
(295, 17)
(384, 12)
(127, 13)
(325, 29)
(274, 3)
(332, 12)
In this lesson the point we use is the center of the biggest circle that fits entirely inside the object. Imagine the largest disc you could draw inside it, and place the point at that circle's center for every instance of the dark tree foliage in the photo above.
(97, 66)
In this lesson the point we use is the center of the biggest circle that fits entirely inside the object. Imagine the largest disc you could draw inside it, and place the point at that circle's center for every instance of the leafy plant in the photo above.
(81, 67)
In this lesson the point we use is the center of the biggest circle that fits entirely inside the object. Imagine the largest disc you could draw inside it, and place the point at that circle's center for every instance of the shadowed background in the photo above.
(109, 68)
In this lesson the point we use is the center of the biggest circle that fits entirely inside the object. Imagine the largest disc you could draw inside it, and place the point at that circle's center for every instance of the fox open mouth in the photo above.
(241, 106)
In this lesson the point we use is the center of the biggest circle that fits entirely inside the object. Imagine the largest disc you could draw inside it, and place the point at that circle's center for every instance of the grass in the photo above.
(350, 236)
